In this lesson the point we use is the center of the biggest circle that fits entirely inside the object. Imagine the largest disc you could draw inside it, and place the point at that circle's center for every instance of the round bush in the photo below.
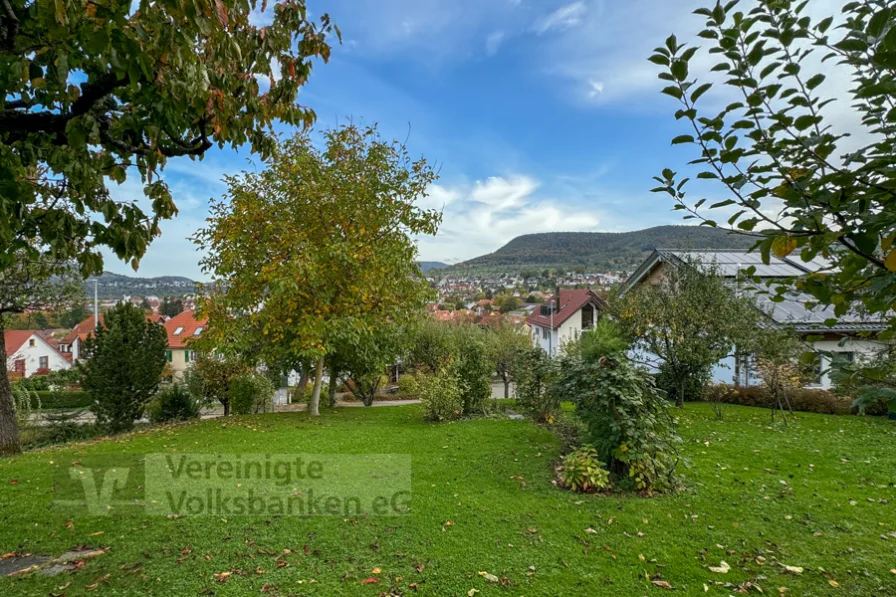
(173, 403)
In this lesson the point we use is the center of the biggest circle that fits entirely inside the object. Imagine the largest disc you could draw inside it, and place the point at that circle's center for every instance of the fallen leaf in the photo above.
(662, 584)
(370, 581)
(590, 531)
(792, 569)
(472, 592)
(376, 570)
(489, 577)
(722, 568)
(834, 583)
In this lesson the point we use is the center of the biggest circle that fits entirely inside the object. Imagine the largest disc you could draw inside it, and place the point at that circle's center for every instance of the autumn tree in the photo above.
(684, 325)
(794, 177)
(316, 249)
(27, 284)
(96, 91)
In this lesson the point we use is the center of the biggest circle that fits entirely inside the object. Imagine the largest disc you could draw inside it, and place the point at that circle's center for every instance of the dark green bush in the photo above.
(63, 399)
(173, 403)
(811, 400)
(627, 420)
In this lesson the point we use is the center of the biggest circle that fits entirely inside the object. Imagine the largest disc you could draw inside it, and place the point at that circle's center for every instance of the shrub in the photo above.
(626, 417)
(58, 428)
(583, 472)
(441, 396)
(173, 403)
(473, 368)
(534, 392)
(407, 384)
(63, 399)
(251, 393)
(24, 403)
(303, 395)
(811, 400)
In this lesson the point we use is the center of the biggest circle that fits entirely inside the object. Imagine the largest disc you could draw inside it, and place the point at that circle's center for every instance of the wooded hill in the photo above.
(598, 251)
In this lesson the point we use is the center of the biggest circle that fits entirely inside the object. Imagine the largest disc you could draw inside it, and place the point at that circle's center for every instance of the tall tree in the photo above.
(316, 250)
(684, 325)
(792, 178)
(124, 368)
(27, 284)
(91, 91)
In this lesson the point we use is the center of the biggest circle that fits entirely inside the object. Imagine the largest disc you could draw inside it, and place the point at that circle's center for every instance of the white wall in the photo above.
(569, 331)
(32, 354)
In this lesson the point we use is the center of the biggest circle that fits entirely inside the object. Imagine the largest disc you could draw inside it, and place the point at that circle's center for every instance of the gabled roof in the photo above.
(82, 330)
(570, 302)
(15, 339)
(792, 312)
(182, 328)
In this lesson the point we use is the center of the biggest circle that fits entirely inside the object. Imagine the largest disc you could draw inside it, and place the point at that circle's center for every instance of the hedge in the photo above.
(63, 399)
(804, 400)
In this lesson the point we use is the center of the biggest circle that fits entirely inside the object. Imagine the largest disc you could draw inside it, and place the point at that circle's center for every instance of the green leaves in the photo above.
(776, 156)
(146, 92)
(682, 139)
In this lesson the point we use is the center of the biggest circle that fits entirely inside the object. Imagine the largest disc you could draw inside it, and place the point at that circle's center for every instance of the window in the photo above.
(178, 331)
(198, 331)
(44, 362)
(841, 360)
(168, 355)
(64, 348)
(32, 342)
(190, 356)
(545, 333)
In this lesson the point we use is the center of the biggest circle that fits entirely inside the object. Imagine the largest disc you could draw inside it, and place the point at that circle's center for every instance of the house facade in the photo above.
(563, 318)
(28, 353)
(852, 338)
(182, 329)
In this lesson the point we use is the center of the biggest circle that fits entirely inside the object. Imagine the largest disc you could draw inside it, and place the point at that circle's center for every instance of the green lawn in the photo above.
(819, 495)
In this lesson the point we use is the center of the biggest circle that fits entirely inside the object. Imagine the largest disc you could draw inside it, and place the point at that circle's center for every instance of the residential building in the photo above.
(72, 345)
(852, 337)
(563, 317)
(182, 329)
(28, 353)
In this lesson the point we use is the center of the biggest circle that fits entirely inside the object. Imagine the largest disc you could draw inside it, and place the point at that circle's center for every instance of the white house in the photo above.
(850, 339)
(28, 353)
(563, 317)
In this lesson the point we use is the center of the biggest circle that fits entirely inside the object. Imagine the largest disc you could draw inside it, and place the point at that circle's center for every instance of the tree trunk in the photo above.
(334, 375)
(506, 388)
(9, 427)
(679, 400)
(314, 405)
(226, 404)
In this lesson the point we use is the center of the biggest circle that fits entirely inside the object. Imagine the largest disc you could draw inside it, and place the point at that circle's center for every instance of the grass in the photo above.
(819, 495)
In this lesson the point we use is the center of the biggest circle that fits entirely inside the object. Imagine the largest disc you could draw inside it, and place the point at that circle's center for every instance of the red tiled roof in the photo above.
(82, 330)
(14, 339)
(186, 320)
(571, 301)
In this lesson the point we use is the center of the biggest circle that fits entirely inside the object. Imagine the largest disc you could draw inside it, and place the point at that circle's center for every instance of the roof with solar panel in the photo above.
(798, 310)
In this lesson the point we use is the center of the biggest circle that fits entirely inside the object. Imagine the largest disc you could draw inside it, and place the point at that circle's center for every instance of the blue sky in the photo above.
(540, 116)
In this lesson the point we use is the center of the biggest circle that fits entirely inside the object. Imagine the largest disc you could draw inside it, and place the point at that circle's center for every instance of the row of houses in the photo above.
(570, 312)
(30, 352)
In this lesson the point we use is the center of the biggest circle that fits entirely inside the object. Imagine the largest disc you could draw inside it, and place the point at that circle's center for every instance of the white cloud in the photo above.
(481, 217)
(493, 42)
(562, 18)
(596, 88)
